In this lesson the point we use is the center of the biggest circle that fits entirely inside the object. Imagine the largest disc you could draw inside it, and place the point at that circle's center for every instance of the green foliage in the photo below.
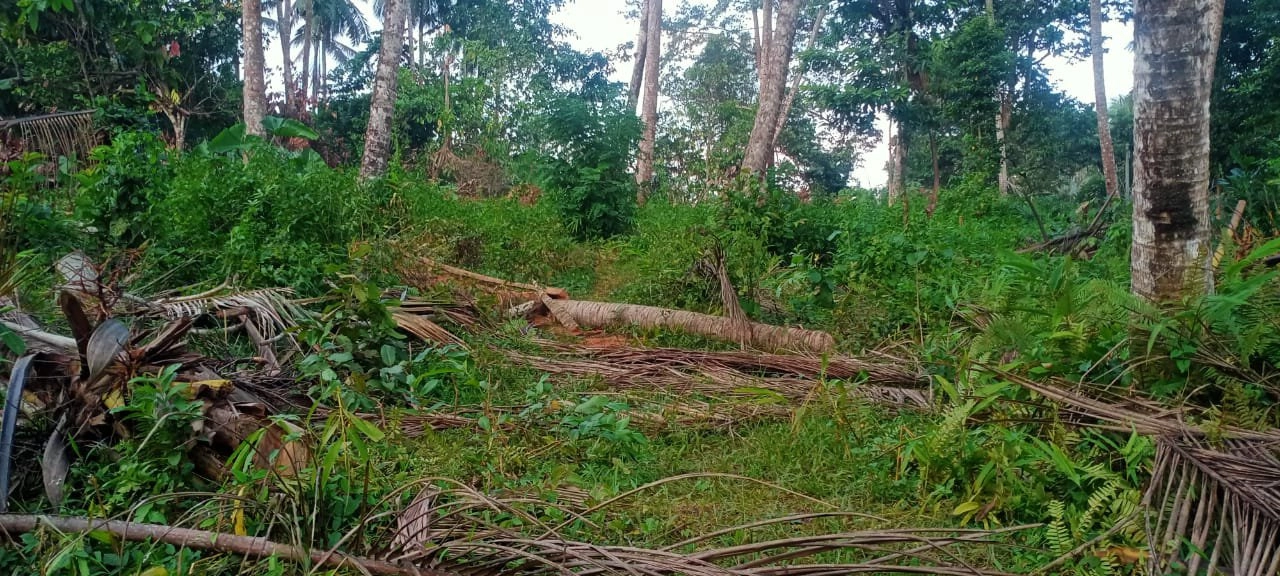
(587, 171)
(119, 188)
(360, 358)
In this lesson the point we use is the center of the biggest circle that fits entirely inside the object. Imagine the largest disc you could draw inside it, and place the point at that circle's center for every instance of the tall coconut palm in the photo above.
(1176, 47)
(424, 17)
(328, 29)
(377, 135)
(255, 90)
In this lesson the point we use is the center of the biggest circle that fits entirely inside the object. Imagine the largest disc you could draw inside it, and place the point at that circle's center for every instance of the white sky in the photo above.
(600, 25)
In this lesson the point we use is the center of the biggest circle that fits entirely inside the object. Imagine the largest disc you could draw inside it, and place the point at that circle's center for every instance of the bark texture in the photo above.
(1100, 102)
(377, 136)
(255, 85)
(1176, 43)
(637, 72)
(653, 49)
(776, 43)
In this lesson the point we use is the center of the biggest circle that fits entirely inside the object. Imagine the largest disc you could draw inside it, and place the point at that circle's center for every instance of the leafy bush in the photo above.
(118, 190)
(587, 165)
(268, 218)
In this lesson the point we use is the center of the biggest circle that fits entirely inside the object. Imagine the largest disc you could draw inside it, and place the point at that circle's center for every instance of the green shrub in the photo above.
(587, 170)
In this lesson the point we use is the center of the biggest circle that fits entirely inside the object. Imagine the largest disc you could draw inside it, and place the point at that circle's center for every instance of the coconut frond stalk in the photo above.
(1214, 508)
(447, 530)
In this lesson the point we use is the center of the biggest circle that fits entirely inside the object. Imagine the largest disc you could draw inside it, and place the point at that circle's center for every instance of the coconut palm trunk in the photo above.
(1100, 105)
(1176, 44)
(255, 88)
(777, 41)
(653, 49)
(377, 136)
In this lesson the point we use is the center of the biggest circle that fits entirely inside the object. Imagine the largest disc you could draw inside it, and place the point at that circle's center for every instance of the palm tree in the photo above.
(377, 136)
(424, 16)
(326, 24)
(255, 91)
(1176, 49)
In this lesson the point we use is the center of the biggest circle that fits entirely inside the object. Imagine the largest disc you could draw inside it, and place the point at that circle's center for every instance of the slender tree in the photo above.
(307, 31)
(1002, 116)
(1176, 42)
(377, 136)
(795, 86)
(644, 167)
(642, 51)
(1100, 104)
(284, 25)
(255, 86)
(776, 43)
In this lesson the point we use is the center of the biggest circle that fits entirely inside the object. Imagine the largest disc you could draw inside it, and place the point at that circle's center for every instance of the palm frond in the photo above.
(270, 309)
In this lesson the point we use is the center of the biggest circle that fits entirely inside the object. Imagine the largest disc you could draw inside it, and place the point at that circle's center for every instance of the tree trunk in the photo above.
(284, 20)
(653, 49)
(642, 50)
(1002, 115)
(776, 43)
(309, 17)
(1100, 103)
(255, 87)
(937, 175)
(377, 136)
(795, 85)
(1176, 45)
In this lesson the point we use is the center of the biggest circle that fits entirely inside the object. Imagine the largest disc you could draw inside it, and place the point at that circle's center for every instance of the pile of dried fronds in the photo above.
(881, 378)
(1214, 499)
(450, 529)
(77, 389)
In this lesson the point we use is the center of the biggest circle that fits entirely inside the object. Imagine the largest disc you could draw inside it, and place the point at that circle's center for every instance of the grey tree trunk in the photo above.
(284, 20)
(642, 51)
(255, 86)
(1100, 103)
(309, 20)
(1176, 45)
(1002, 115)
(377, 136)
(795, 85)
(653, 56)
(776, 43)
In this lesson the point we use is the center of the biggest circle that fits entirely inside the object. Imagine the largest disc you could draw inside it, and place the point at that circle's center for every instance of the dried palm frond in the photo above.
(1215, 508)
(452, 530)
(272, 312)
(1213, 505)
(69, 134)
(794, 378)
(425, 329)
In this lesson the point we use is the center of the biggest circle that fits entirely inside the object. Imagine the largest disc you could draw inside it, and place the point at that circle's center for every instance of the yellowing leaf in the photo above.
(237, 516)
(966, 508)
(155, 571)
(114, 399)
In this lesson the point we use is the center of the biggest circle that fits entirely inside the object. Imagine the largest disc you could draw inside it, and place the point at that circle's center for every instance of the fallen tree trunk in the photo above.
(763, 336)
(248, 546)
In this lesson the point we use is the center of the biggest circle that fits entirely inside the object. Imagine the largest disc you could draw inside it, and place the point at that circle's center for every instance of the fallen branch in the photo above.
(248, 546)
(753, 334)
(558, 293)
(55, 340)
